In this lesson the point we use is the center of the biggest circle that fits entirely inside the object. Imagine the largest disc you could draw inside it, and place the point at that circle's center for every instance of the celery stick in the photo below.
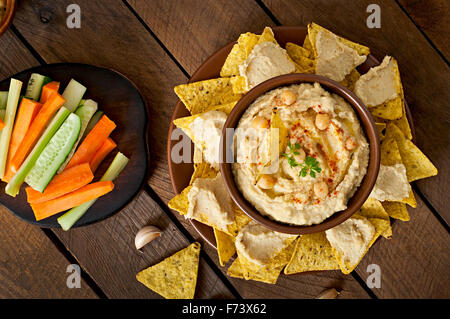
(2, 114)
(3, 99)
(13, 186)
(94, 120)
(11, 108)
(85, 112)
(73, 94)
(72, 216)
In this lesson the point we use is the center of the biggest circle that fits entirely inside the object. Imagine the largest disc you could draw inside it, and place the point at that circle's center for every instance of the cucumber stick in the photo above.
(3, 99)
(54, 154)
(11, 108)
(85, 112)
(16, 182)
(73, 94)
(94, 120)
(72, 216)
(35, 85)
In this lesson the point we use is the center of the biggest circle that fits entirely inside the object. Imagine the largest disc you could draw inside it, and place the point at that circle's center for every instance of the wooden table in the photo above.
(159, 44)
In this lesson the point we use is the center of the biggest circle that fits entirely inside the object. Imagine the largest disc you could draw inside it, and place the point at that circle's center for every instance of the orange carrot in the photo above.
(27, 112)
(92, 142)
(71, 200)
(2, 124)
(68, 181)
(48, 90)
(39, 124)
(101, 154)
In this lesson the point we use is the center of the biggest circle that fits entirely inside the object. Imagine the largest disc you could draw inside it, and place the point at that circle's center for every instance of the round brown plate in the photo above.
(121, 101)
(180, 174)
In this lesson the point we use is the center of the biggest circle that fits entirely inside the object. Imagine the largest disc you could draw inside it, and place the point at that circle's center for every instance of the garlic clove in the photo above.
(145, 235)
(328, 294)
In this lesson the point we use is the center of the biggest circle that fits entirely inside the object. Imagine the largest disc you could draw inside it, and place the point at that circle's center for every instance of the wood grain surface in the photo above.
(158, 44)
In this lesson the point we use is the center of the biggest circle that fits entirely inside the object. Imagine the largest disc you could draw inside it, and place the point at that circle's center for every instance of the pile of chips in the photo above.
(307, 252)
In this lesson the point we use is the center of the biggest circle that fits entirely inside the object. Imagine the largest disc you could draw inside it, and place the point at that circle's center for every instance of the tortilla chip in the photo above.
(267, 36)
(185, 122)
(180, 202)
(350, 79)
(373, 210)
(417, 165)
(240, 217)
(176, 276)
(308, 47)
(347, 268)
(199, 96)
(269, 276)
(390, 154)
(312, 252)
(313, 30)
(225, 246)
(300, 57)
(396, 210)
(381, 128)
(239, 53)
(390, 110)
(403, 124)
(285, 255)
(239, 84)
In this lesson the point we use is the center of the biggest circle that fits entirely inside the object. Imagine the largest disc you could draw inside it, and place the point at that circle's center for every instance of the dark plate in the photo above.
(121, 101)
(180, 174)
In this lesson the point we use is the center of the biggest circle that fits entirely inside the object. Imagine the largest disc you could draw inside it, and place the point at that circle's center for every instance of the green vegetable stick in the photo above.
(72, 216)
(11, 108)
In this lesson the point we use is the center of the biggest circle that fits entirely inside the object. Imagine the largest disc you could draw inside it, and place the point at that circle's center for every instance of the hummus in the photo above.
(267, 60)
(206, 130)
(334, 59)
(210, 202)
(259, 244)
(351, 239)
(379, 84)
(392, 183)
(294, 193)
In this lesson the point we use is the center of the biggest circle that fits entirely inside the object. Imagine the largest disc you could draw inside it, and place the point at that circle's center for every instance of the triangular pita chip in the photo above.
(313, 252)
(176, 276)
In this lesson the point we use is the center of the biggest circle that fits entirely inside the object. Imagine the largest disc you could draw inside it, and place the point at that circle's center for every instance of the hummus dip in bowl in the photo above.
(299, 153)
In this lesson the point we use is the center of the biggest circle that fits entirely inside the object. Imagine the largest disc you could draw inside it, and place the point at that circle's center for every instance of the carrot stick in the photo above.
(36, 128)
(101, 154)
(68, 181)
(27, 112)
(48, 90)
(68, 201)
(92, 142)
(2, 124)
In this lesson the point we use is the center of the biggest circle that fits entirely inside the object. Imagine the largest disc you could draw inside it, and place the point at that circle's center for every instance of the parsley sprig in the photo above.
(310, 165)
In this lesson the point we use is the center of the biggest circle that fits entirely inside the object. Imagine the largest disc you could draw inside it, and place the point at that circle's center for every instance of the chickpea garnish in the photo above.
(266, 181)
(350, 143)
(322, 121)
(259, 122)
(321, 189)
(288, 97)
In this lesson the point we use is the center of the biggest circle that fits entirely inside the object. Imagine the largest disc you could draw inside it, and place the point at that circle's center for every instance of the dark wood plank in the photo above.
(431, 119)
(433, 18)
(193, 32)
(30, 264)
(112, 37)
(203, 38)
(414, 263)
(424, 74)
